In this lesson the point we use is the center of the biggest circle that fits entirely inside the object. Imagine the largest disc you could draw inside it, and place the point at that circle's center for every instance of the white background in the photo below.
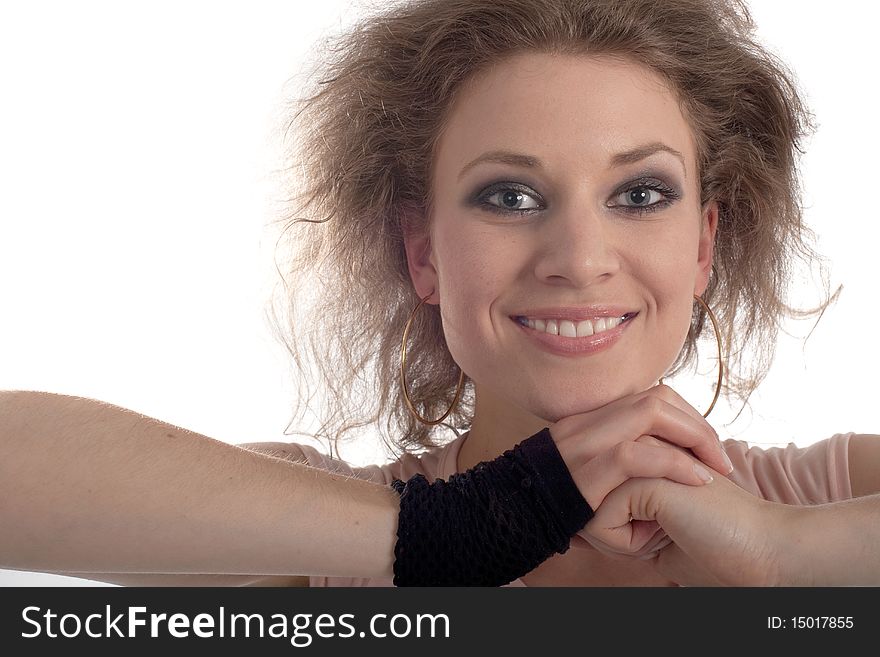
(136, 143)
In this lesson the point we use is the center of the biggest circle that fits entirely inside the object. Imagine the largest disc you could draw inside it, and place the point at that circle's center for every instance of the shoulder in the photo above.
(791, 474)
(864, 463)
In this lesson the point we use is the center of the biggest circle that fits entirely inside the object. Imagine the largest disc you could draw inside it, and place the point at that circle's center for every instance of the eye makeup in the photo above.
(489, 197)
(649, 183)
(519, 192)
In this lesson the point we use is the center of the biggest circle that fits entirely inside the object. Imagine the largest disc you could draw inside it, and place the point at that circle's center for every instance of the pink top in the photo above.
(815, 474)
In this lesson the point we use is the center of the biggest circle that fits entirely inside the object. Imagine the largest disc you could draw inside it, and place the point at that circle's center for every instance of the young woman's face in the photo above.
(567, 238)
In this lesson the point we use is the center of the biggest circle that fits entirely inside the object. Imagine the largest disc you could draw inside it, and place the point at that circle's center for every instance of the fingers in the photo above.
(631, 459)
(669, 395)
(657, 417)
(658, 412)
(672, 562)
(623, 520)
(652, 551)
(639, 547)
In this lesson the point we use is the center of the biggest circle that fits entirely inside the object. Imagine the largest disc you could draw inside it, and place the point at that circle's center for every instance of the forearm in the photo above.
(835, 544)
(90, 487)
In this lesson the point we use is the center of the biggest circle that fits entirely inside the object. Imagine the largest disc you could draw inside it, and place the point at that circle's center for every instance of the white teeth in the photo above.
(570, 329)
(567, 329)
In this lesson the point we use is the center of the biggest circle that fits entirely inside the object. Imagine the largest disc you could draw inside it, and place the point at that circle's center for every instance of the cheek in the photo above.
(673, 294)
(464, 279)
(474, 272)
(678, 323)
(474, 267)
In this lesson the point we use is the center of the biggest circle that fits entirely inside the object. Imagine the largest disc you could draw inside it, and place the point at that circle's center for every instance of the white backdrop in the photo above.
(135, 145)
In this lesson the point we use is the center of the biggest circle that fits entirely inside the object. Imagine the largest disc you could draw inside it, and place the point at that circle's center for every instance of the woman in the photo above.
(645, 160)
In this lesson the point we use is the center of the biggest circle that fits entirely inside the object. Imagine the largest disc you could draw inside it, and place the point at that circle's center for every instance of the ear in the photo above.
(705, 252)
(419, 260)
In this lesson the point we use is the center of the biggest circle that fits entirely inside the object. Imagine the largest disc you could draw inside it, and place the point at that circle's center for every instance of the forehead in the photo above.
(571, 109)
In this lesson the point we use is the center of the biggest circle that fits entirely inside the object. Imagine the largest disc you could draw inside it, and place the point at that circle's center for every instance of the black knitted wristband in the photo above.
(491, 524)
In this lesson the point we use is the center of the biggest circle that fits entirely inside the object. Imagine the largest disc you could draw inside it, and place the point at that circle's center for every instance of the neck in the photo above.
(497, 426)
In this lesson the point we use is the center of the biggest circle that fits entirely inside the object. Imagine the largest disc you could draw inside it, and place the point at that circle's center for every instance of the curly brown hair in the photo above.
(361, 143)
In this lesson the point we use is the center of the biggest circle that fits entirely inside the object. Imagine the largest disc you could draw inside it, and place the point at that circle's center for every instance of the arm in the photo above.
(864, 464)
(147, 579)
(724, 535)
(838, 544)
(89, 488)
(834, 544)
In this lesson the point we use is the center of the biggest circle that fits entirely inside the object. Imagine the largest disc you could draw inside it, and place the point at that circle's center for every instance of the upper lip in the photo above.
(575, 313)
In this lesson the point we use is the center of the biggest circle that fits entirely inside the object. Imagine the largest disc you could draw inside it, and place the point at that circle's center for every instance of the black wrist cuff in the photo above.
(491, 524)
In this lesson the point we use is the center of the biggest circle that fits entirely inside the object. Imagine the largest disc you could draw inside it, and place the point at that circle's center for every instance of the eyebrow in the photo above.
(530, 162)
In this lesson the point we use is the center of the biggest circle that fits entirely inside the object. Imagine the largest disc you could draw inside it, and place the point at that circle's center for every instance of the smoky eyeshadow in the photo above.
(655, 178)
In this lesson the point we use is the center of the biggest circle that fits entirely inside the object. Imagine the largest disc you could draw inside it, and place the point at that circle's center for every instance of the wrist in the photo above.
(491, 524)
(795, 560)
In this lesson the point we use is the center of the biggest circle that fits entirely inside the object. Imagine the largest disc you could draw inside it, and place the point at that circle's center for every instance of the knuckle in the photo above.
(566, 427)
(560, 425)
(625, 454)
(647, 439)
(650, 405)
(665, 392)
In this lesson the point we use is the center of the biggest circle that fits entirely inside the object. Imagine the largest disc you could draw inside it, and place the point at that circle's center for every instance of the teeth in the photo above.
(569, 329)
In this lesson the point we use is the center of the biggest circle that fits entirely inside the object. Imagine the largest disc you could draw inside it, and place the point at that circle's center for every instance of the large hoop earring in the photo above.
(720, 360)
(409, 403)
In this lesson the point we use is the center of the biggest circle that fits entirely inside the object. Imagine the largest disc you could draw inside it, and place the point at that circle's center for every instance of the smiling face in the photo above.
(566, 199)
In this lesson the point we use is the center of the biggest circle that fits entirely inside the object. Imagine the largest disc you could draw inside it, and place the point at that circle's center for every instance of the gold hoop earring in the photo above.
(720, 360)
(409, 403)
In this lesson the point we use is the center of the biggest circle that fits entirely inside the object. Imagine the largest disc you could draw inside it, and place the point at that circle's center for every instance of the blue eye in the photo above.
(640, 197)
(510, 198)
(644, 196)
(636, 197)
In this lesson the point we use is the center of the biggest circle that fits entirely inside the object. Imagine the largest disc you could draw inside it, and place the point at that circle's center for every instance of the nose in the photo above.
(576, 248)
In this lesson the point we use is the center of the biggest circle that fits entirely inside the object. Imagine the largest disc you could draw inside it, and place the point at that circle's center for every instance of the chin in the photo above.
(553, 406)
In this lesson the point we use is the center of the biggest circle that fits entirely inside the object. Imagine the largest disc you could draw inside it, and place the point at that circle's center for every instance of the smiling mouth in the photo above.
(570, 329)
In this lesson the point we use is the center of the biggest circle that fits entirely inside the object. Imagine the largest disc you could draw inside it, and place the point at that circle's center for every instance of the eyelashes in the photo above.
(510, 192)
(511, 198)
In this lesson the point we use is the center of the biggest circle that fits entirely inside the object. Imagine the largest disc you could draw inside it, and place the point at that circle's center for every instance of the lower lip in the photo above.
(585, 346)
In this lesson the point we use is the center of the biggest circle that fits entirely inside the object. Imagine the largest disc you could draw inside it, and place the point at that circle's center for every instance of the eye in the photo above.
(640, 197)
(644, 196)
(509, 198)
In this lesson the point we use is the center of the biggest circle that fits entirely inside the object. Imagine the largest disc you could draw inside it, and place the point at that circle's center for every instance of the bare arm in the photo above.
(90, 489)
(835, 544)
(146, 579)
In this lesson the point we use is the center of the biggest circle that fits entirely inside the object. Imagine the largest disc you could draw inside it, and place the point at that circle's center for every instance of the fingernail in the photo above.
(727, 461)
(702, 473)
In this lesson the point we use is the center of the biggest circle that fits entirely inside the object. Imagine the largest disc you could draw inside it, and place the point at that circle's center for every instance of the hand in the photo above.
(605, 447)
(713, 535)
